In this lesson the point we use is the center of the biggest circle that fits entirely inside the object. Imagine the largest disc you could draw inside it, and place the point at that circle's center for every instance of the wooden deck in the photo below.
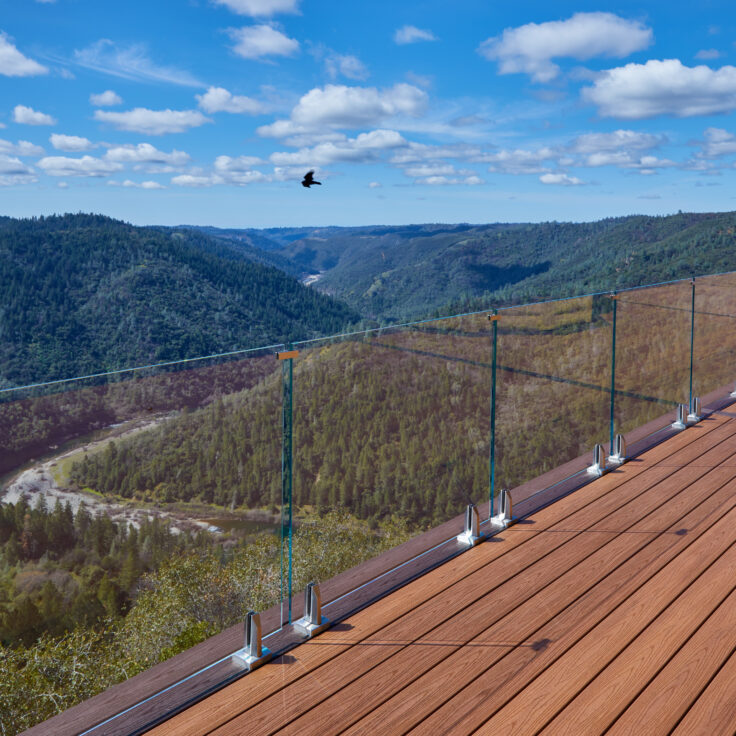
(613, 610)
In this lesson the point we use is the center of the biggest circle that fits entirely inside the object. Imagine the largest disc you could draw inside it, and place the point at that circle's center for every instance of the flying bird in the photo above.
(309, 179)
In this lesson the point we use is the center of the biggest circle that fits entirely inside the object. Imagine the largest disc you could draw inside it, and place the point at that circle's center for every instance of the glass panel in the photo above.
(168, 482)
(652, 354)
(391, 435)
(715, 334)
(553, 389)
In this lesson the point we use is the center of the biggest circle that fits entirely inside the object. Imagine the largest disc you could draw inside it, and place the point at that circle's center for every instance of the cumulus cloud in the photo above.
(14, 64)
(70, 143)
(446, 180)
(153, 122)
(519, 161)
(236, 164)
(529, 49)
(561, 180)
(190, 180)
(13, 166)
(108, 98)
(346, 65)
(363, 148)
(29, 116)
(218, 99)
(85, 166)
(718, 142)
(592, 143)
(412, 34)
(129, 183)
(21, 148)
(708, 54)
(638, 91)
(418, 152)
(374, 185)
(339, 106)
(255, 8)
(145, 153)
(255, 42)
(130, 62)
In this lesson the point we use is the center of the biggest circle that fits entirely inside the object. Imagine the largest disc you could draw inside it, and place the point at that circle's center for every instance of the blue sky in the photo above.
(210, 111)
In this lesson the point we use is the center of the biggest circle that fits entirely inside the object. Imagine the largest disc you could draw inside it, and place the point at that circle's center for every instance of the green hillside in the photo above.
(410, 272)
(84, 292)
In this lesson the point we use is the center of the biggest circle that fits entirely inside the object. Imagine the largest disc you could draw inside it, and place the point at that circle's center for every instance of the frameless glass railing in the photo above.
(193, 491)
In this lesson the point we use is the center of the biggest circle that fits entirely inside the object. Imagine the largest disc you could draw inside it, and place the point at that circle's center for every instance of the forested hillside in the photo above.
(409, 272)
(86, 293)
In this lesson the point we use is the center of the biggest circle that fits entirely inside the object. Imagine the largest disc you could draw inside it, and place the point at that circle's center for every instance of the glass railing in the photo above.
(194, 491)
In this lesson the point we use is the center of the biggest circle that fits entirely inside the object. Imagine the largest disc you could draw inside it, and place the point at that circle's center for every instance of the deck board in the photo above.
(715, 710)
(524, 637)
(583, 617)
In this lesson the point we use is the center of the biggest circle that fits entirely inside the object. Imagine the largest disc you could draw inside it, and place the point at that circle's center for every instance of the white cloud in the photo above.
(412, 34)
(62, 185)
(519, 161)
(718, 142)
(147, 154)
(418, 152)
(426, 170)
(444, 180)
(218, 99)
(128, 183)
(153, 122)
(189, 180)
(238, 164)
(561, 179)
(255, 42)
(130, 62)
(708, 54)
(374, 185)
(347, 107)
(70, 143)
(85, 166)
(14, 172)
(21, 148)
(13, 166)
(530, 48)
(347, 65)
(256, 8)
(614, 141)
(14, 64)
(28, 116)
(108, 98)
(363, 148)
(667, 87)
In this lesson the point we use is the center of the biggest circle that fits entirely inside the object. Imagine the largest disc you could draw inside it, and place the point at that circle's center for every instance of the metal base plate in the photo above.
(501, 522)
(252, 662)
(596, 470)
(307, 629)
(469, 540)
(616, 459)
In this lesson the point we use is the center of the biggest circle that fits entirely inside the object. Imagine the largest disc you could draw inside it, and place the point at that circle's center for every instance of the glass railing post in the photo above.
(287, 474)
(492, 459)
(614, 299)
(692, 342)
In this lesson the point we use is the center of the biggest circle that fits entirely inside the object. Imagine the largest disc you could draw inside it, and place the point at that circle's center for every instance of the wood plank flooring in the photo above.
(612, 610)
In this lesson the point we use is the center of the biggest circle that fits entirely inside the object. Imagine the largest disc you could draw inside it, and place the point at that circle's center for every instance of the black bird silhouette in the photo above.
(309, 179)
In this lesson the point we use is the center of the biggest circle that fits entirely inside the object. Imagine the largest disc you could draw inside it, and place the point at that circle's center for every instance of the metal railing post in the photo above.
(492, 458)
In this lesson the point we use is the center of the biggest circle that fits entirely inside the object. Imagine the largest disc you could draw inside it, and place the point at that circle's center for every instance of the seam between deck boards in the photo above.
(659, 452)
(708, 449)
(582, 593)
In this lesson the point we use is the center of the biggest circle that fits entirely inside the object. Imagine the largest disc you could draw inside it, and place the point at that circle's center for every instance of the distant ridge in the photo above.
(394, 273)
